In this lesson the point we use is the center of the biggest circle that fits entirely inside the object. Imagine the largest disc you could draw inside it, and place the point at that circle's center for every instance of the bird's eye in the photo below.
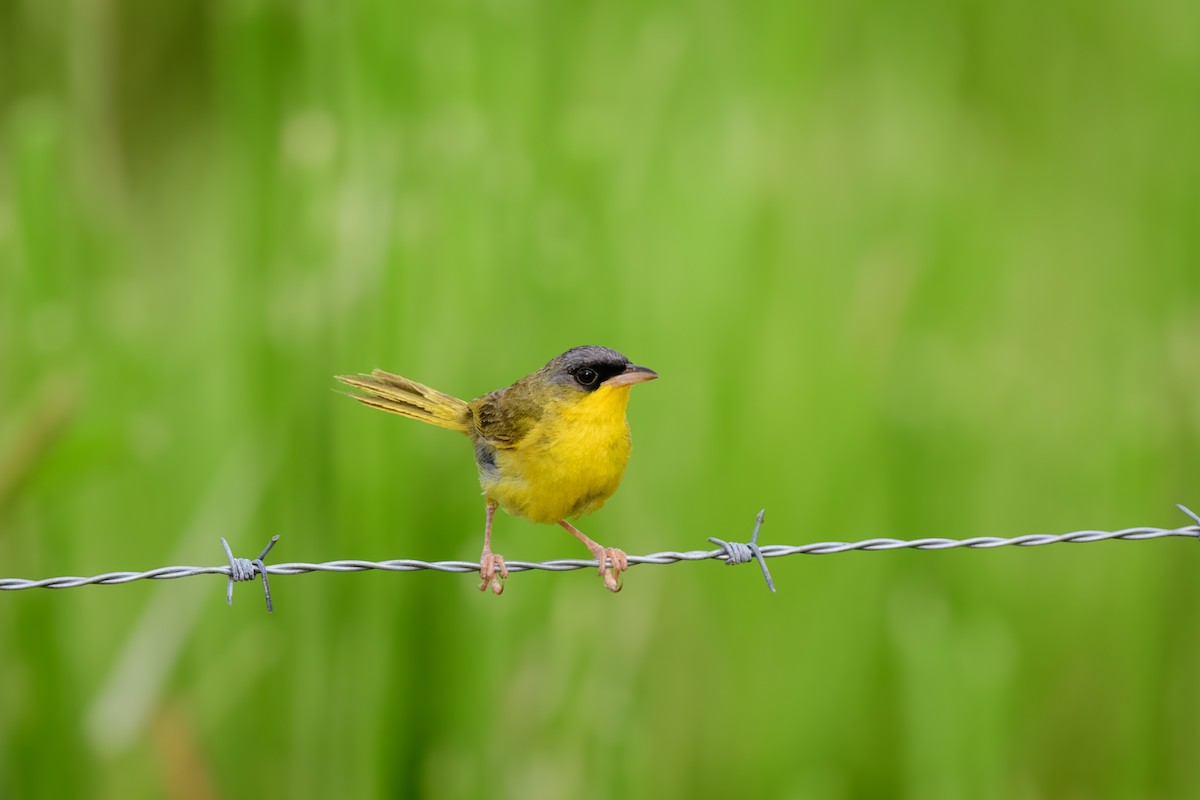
(586, 376)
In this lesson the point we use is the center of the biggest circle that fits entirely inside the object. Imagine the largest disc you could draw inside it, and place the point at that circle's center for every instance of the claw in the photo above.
(492, 572)
(611, 562)
(619, 563)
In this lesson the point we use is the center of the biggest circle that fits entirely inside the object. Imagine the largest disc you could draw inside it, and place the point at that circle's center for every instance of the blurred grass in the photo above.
(919, 270)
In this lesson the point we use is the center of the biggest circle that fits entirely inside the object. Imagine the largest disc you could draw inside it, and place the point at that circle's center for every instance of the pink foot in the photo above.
(492, 571)
(612, 575)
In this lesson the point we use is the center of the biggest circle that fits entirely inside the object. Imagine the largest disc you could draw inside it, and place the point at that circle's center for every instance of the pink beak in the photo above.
(632, 374)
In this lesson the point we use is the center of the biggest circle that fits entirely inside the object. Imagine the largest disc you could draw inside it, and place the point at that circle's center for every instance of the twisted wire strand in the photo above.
(237, 571)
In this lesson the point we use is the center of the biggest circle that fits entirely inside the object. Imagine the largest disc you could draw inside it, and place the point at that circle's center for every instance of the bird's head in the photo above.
(588, 369)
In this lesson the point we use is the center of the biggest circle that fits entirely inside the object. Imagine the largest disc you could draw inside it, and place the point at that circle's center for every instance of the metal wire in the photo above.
(238, 570)
(738, 553)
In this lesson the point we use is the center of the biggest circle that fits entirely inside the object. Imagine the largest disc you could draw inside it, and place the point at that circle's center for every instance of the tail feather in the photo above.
(399, 395)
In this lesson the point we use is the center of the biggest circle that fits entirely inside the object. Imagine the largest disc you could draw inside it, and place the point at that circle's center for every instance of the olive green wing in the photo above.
(503, 417)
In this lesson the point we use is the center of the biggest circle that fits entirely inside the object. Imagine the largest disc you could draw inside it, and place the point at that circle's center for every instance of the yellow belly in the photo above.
(568, 464)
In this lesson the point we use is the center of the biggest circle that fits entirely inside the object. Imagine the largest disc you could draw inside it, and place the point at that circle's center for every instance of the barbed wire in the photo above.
(241, 569)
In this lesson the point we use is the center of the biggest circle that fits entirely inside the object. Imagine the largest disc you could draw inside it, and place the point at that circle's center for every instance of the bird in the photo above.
(551, 447)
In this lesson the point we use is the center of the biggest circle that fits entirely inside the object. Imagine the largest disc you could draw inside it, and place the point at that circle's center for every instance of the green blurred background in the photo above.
(920, 269)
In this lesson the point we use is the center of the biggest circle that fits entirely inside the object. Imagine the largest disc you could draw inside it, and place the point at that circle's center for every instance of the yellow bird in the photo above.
(551, 446)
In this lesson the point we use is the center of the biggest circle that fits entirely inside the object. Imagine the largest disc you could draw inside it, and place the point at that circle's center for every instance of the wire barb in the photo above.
(244, 569)
(1188, 511)
(739, 553)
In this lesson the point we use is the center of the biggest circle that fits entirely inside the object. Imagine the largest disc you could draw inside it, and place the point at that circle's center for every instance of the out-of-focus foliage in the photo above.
(911, 269)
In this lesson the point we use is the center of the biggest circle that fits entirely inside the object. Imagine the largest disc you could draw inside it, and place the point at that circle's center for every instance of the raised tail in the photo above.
(409, 399)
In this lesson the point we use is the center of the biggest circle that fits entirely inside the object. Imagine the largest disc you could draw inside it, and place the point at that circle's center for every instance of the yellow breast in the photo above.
(568, 464)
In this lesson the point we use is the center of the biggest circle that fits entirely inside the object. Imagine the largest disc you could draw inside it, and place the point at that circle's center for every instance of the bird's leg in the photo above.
(492, 570)
(612, 555)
